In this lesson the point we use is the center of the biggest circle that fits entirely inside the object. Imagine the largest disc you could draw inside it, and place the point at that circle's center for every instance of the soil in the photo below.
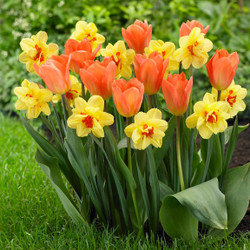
(242, 156)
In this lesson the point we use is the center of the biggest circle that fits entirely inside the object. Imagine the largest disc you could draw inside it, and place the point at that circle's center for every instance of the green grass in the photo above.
(32, 217)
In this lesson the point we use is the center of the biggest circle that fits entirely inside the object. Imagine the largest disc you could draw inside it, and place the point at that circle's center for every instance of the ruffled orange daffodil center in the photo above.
(234, 96)
(36, 51)
(122, 57)
(74, 91)
(89, 31)
(89, 117)
(166, 50)
(193, 49)
(33, 99)
(148, 128)
(209, 116)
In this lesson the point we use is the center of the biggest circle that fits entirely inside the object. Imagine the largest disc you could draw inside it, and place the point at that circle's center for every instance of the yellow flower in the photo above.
(35, 50)
(121, 56)
(74, 92)
(89, 117)
(234, 96)
(209, 116)
(166, 50)
(89, 31)
(193, 49)
(147, 129)
(33, 99)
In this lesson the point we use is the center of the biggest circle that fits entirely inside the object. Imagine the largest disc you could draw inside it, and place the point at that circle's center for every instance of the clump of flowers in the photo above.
(129, 158)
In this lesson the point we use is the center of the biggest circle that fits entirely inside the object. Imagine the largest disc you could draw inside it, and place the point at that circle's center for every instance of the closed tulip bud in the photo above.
(80, 53)
(221, 68)
(127, 96)
(176, 90)
(138, 35)
(98, 77)
(187, 27)
(150, 71)
(55, 74)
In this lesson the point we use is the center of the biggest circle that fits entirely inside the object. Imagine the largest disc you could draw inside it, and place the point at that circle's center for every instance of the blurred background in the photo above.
(229, 22)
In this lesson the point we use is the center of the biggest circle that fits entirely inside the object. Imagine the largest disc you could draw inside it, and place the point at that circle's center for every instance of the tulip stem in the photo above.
(66, 103)
(83, 91)
(131, 171)
(218, 96)
(178, 151)
(190, 100)
(150, 105)
(180, 67)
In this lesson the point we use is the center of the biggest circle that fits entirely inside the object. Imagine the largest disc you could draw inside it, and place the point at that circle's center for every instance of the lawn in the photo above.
(32, 217)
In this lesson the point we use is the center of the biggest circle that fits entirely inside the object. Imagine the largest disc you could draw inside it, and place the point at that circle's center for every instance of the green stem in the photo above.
(150, 105)
(191, 96)
(218, 96)
(83, 91)
(131, 171)
(180, 68)
(178, 151)
(59, 124)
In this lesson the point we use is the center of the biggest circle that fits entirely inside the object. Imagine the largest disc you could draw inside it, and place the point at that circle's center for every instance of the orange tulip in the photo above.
(187, 27)
(98, 77)
(150, 71)
(127, 96)
(176, 90)
(138, 35)
(221, 68)
(80, 53)
(55, 74)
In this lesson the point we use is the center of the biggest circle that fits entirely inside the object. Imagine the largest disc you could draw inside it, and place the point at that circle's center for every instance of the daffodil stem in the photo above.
(64, 111)
(67, 104)
(59, 124)
(190, 100)
(218, 96)
(178, 151)
(131, 171)
(180, 67)
(83, 91)
(150, 105)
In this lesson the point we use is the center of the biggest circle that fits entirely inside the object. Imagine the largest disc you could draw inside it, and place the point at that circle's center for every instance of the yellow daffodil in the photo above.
(73, 93)
(148, 128)
(209, 116)
(89, 117)
(166, 50)
(121, 56)
(234, 96)
(33, 99)
(35, 50)
(193, 49)
(89, 31)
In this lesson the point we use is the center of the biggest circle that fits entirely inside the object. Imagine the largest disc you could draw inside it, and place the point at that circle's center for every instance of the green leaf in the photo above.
(237, 193)
(205, 202)
(159, 153)
(229, 130)
(50, 167)
(164, 190)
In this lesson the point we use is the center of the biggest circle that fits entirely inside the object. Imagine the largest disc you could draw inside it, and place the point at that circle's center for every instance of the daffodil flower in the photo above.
(121, 56)
(166, 50)
(234, 96)
(89, 117)
(74, 91)
(209, 116)
(148, 128)
(33, 99)
(89, 31)
(36, 51)
(193, 49)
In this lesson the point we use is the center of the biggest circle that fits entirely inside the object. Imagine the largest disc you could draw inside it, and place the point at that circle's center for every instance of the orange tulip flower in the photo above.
(80, 53)
(176, 90)
(187, 27)
(127, 96)
(55, 74)
(98, 77)
(138, 35)
(150, 71)
(221, 68)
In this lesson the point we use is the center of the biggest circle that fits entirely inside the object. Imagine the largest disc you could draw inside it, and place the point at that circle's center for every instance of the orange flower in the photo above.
(187, 27)
(80, 53)
(176, 90)
(150, 71)
(221, 68)
(55, 74)
(138, 35)
(127, 96)
(98, 77)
